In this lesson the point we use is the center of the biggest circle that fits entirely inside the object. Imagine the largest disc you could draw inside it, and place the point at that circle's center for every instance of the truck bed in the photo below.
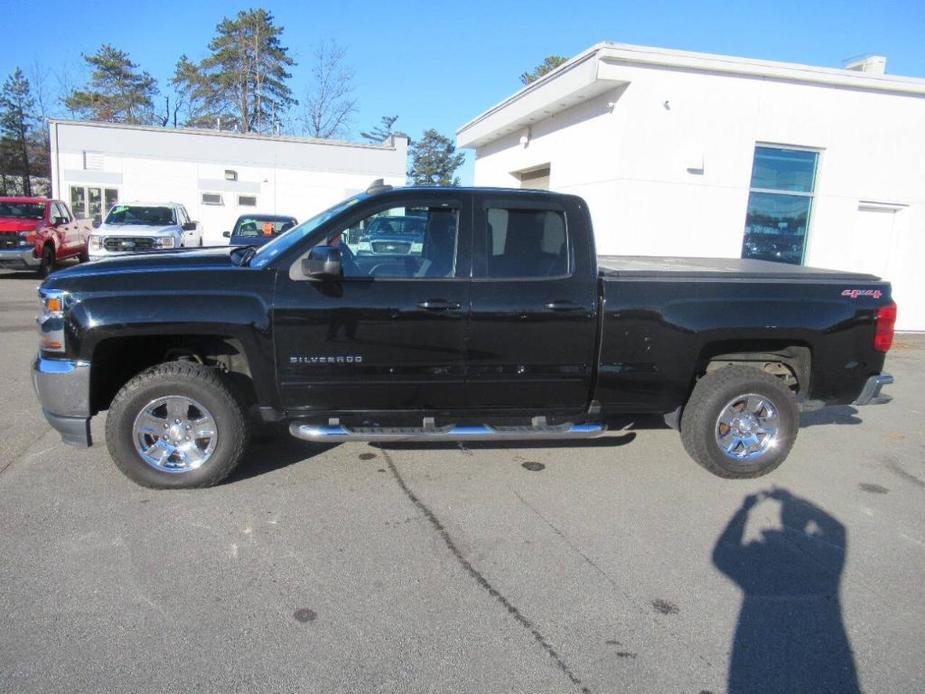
(613, 267)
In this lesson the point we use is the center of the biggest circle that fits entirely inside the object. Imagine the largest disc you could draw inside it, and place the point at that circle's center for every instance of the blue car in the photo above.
(257, 229)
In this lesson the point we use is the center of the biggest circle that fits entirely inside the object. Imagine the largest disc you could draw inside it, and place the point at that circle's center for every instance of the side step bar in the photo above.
(481, 432)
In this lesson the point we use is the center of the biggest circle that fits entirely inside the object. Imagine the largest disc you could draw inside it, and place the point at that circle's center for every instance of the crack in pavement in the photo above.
(607, 577)
(481, 580)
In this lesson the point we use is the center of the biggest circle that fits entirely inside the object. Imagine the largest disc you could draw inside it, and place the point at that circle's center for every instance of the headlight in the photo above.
(165, 242)
(96, 242)
(51, 322)
(25, 238)
(417, 247)
(364, 246)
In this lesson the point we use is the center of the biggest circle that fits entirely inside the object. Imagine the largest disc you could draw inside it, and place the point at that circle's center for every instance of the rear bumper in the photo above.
(63, 389)
(870, 395)
(19, 258)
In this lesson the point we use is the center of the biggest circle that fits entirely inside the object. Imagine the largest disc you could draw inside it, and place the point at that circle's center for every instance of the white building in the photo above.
(691, 154)
(217, 175)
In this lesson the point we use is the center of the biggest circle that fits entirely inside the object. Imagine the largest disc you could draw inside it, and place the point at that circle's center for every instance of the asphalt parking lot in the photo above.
(610, 566)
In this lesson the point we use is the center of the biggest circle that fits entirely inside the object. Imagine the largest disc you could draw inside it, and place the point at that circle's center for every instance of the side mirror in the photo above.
(190, 226)
(322, 263)
(96, 223)
(226, 234)
(58, 221)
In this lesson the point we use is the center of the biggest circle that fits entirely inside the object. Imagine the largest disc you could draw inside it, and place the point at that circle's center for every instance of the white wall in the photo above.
(288, 176)
(627, 153)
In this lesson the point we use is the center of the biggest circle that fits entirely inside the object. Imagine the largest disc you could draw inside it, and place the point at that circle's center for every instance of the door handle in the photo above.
(563, 306)
(438, 305)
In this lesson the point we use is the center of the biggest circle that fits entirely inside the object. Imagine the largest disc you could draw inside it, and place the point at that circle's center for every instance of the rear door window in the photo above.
(523, 243)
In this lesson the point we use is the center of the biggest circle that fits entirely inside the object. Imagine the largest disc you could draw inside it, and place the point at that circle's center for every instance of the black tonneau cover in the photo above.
(724, 268)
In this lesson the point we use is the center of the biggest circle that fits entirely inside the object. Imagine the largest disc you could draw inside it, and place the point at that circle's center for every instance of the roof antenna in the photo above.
(378, 186)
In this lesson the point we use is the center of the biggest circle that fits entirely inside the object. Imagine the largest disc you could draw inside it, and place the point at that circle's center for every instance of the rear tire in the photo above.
(150, 450)
(740, 422)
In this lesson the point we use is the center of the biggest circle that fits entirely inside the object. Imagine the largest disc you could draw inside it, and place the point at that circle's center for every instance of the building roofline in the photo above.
(617, 54)
(227, 133)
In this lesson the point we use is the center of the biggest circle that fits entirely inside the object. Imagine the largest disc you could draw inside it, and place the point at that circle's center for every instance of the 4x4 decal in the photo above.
(855, 293)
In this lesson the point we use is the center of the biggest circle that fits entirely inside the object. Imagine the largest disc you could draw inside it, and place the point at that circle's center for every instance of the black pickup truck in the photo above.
(501, 323)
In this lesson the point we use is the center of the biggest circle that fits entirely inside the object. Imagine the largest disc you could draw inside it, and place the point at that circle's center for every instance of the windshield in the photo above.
(385, 226)
(288, 239)
(148, 216)
(22, 210)
(262, 226)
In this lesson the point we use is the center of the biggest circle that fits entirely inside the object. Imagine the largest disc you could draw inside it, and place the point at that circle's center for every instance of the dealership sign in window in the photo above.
(779, 204)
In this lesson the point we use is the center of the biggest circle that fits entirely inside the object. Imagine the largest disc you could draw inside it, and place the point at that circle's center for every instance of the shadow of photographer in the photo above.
(790, 636)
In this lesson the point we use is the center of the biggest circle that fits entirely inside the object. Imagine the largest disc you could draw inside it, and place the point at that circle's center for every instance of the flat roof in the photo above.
(592, 72)
(209, 132)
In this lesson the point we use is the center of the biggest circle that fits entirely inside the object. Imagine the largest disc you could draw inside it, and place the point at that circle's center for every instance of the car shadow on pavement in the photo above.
(790, 636)
(273, 454)
(837, 414)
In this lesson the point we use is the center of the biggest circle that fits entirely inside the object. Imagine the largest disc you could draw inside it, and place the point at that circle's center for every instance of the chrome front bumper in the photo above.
(870, 395)
(63, 389)
(19, 258)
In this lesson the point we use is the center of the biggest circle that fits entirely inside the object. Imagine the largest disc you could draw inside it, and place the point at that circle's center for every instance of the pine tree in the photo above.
(245, 75)
(18, 122)
(382, 131)
(118, 92)
(548, 65)
(434, 160)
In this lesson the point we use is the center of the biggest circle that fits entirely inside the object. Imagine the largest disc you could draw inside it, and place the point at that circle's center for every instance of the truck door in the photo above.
(533, 319)
(390, 334)
(66, 229)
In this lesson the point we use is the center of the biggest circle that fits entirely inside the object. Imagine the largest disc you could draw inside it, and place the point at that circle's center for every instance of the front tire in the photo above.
(176, 425)
(740, 422)
(47, 266)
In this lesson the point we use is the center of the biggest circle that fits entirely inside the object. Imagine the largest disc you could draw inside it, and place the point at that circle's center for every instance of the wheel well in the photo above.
(118, 359)
(789, 361)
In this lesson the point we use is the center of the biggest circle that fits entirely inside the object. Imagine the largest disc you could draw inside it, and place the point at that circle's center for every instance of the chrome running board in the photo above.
(335, 431)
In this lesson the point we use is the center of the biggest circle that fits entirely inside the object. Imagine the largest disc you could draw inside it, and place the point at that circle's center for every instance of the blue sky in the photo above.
(439, 64)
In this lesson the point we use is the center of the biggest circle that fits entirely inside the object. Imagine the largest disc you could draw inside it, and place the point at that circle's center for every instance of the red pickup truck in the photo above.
(37, 233)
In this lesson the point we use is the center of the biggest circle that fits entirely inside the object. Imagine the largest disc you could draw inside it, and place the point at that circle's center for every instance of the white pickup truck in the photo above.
(144, 226)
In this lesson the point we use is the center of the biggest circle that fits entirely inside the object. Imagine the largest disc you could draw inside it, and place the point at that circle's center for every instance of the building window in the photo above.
(247, 200)
(92, 202)
(231, 175)
(779, 204)
(212, 199)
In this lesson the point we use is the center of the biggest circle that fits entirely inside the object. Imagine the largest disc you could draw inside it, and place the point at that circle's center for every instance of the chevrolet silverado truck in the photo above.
(505, 324)
(37, 233)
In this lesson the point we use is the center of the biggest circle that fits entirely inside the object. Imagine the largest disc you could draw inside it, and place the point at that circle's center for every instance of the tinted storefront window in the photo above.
(779, 204)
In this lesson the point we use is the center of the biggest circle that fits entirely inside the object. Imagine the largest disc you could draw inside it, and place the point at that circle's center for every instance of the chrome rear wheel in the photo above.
(747, 427)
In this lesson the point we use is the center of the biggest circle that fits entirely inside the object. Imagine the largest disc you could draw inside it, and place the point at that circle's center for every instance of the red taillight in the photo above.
(883, 332)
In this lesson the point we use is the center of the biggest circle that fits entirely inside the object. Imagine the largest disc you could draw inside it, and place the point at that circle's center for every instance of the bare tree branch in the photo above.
(329, 102)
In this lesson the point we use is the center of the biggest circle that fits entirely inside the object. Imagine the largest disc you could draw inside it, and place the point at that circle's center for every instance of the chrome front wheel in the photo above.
(177, 425)
(175, 434)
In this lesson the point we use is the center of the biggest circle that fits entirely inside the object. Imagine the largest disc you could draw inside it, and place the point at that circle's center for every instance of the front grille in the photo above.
(11, 241)
(391, 247)
(123, 244)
